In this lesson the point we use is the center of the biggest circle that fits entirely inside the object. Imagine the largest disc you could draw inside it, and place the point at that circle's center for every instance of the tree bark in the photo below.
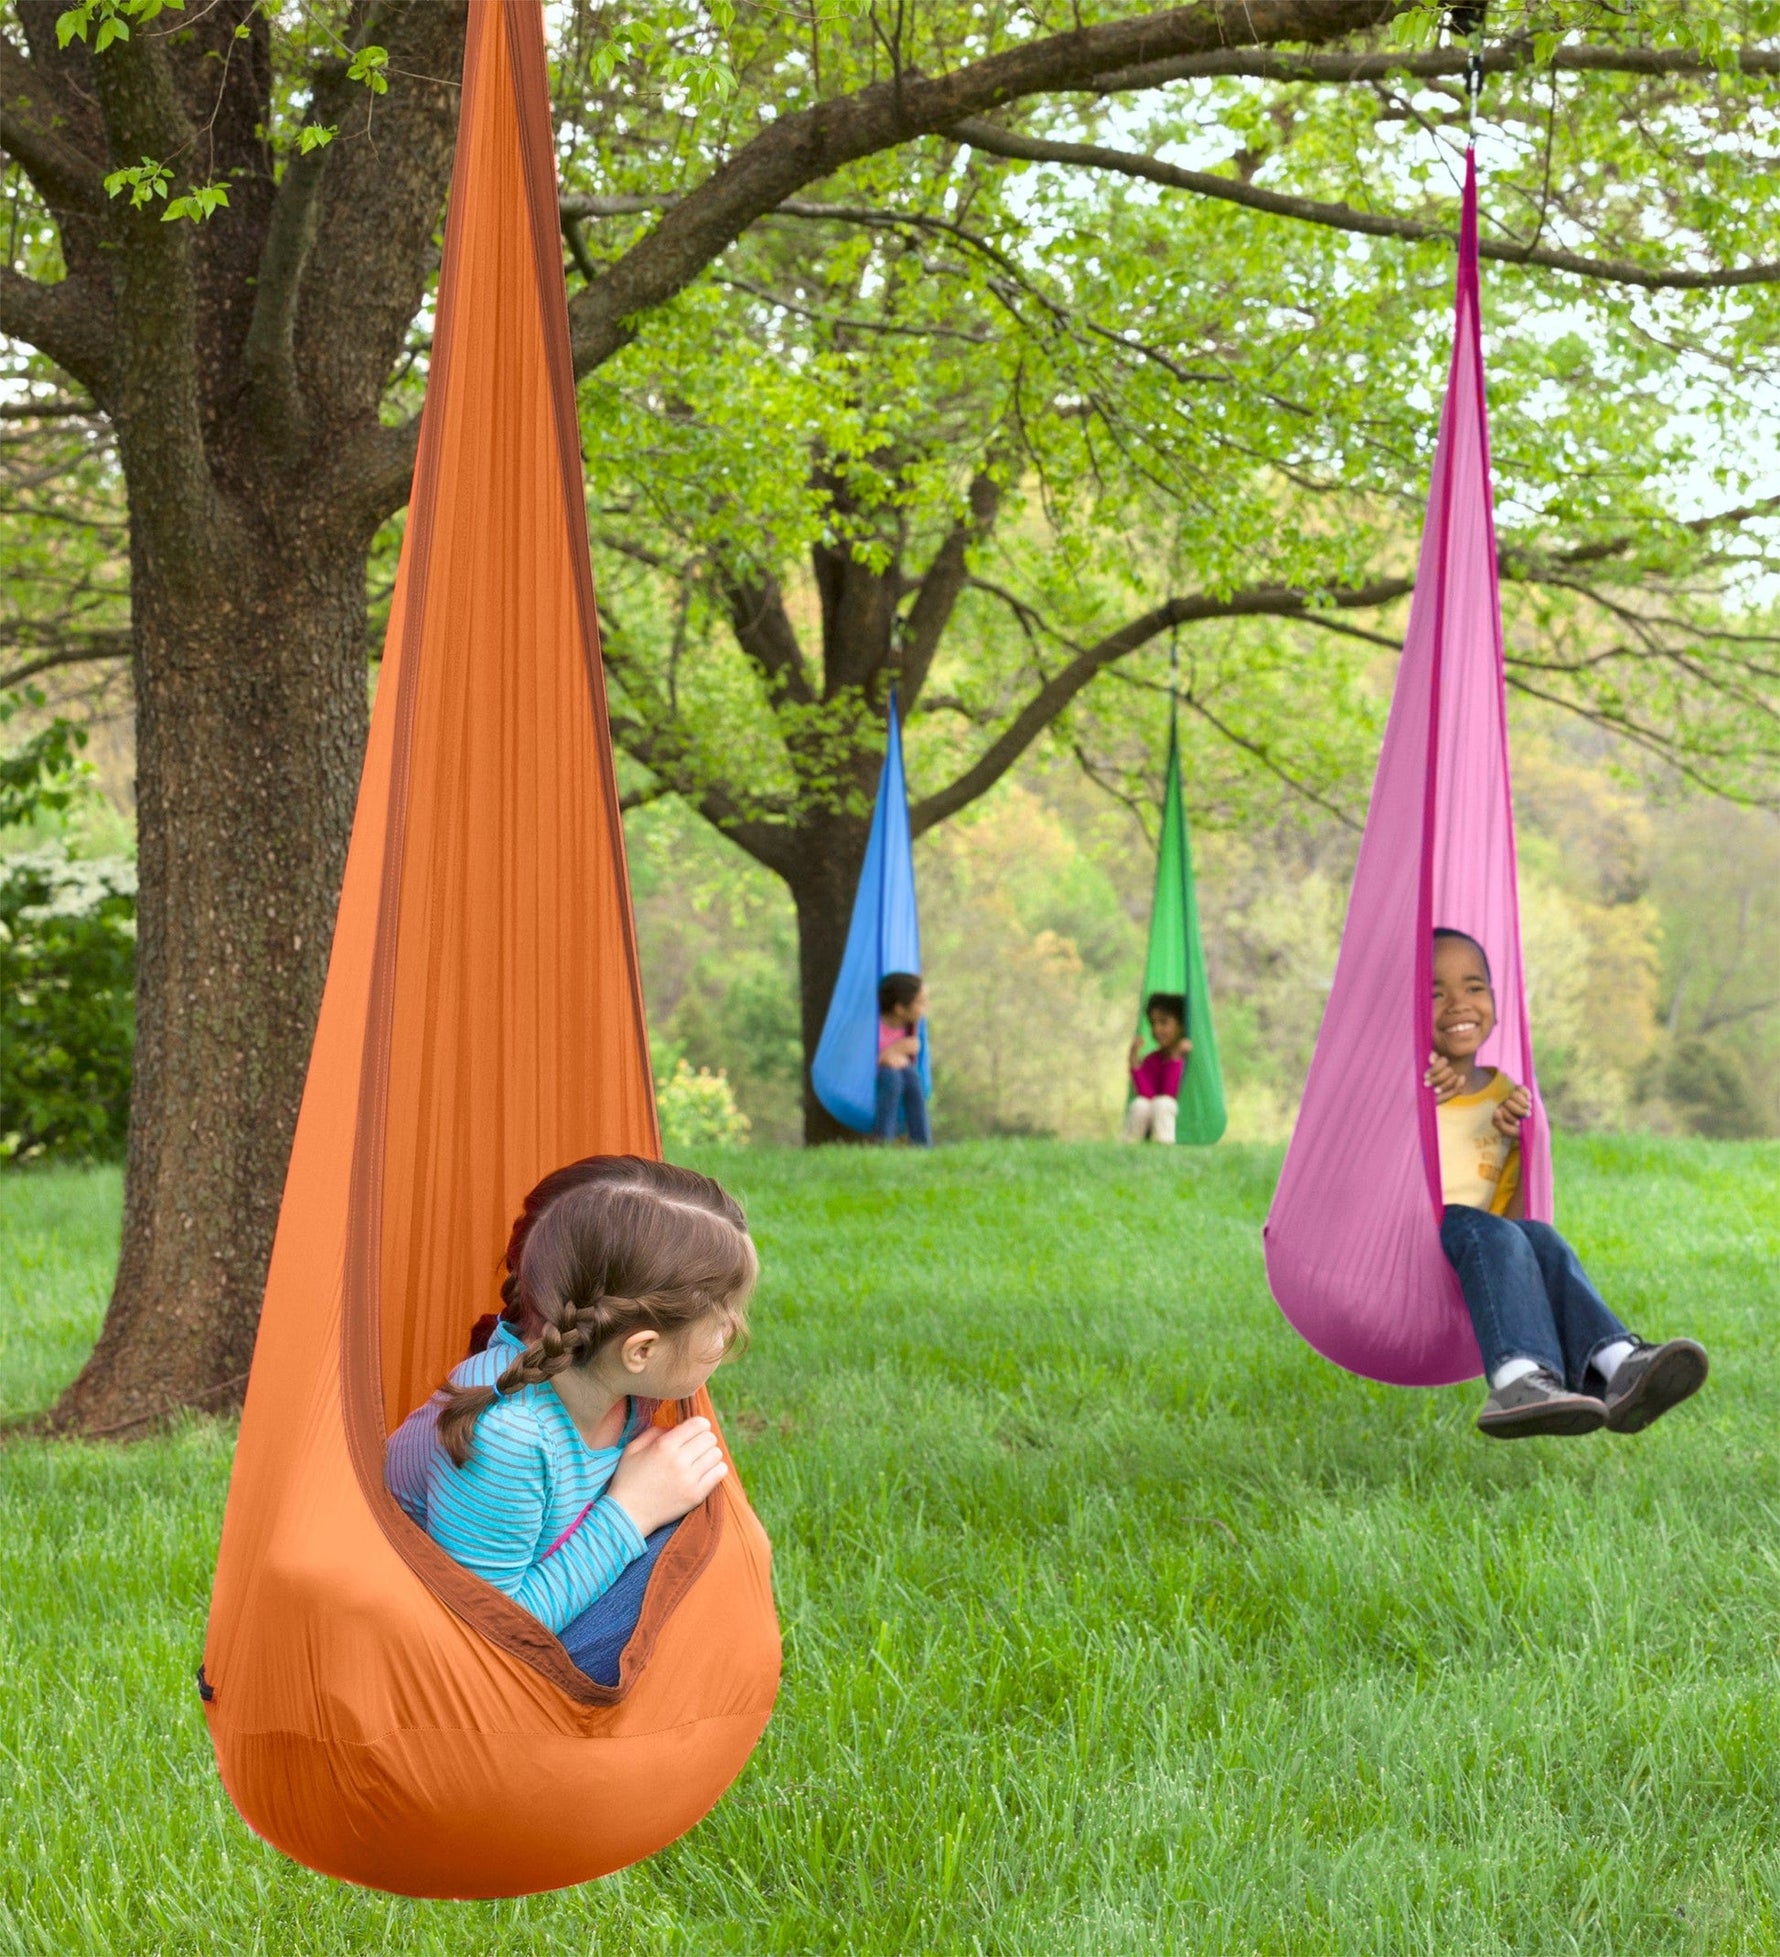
(251, 713)
(242, 363)
(823, 886)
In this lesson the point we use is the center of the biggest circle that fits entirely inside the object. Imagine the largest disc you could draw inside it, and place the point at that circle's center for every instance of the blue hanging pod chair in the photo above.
(885, 936)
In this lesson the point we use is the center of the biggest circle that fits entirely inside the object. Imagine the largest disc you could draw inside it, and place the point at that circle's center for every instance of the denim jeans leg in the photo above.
(1504, 1288)
(596, 1639)
(887, 1104)
(914, 1107)
(1582, 1317)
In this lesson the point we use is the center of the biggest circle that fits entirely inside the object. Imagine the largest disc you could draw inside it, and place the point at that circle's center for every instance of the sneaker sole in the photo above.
(1573, 1416)
(1676, 1374)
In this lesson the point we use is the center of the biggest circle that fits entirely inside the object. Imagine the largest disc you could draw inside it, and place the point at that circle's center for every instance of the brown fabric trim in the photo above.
(486, 1610)
(531, 86)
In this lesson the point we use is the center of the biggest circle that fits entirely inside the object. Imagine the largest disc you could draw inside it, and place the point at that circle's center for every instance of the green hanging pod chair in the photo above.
(1176, 963)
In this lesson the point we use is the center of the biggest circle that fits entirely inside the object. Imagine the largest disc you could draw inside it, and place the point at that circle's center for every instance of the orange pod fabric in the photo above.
(377, 1712)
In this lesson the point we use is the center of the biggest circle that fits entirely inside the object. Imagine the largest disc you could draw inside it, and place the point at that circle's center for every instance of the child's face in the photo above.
(914, 1012)
(1464, 1005)
(674, 1366)
(1165, 1029)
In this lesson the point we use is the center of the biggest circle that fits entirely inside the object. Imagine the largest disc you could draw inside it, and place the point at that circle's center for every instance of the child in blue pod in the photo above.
(536, 1465)
(1557, 1359)
(901, 1101)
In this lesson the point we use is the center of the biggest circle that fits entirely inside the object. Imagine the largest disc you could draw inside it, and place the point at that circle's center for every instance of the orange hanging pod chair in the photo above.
(377, 1712)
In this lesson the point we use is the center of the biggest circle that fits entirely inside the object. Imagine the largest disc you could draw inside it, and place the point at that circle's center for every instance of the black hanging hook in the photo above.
(1466, 23)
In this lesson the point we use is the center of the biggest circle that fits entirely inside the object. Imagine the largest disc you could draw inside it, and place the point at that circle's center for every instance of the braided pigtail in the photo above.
(570, 1336)
(606, 1247)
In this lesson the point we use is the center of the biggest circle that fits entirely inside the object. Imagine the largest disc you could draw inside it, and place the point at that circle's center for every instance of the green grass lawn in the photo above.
(1116, 1621)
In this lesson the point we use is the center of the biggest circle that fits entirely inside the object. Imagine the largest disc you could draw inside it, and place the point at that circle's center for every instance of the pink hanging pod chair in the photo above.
(1353, 1237)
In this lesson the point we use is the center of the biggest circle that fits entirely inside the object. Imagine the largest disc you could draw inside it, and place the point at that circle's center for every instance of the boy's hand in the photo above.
(666, 1472)
(1512, 1112)
(1443, 1077)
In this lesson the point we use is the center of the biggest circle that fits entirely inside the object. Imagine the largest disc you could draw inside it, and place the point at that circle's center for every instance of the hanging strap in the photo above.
(1467, 22)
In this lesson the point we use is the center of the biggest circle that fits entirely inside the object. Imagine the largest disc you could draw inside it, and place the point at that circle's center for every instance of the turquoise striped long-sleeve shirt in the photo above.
(528, 1512)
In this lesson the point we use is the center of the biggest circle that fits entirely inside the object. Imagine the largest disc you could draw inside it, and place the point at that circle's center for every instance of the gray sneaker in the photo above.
(1539, 1403)
(1651, 1380)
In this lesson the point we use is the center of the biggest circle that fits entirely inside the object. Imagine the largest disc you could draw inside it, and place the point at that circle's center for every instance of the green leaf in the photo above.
(144, 180)
(111, 28)
(315, 137)
(70, 25)
(367, 66)
(198, 203)
(44, 773)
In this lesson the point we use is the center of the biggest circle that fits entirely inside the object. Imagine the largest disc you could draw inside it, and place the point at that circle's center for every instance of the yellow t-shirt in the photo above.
(1479, 1165)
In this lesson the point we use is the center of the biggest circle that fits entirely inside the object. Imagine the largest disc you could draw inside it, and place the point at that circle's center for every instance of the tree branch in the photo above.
(1652, 740)
(579, 204)
(997, 141)
(157, 392)
(764, 631)
(1276, 601)
(801, 149)
(1713, 1020)
(69, 321)
(1267, 761)
(378, 202)
(942, 582)
(66, 178)
(372, 471)
(97, 646)
(269, 352)
(769, 843)
(1508, 57)
(659, 743)
(49, 410)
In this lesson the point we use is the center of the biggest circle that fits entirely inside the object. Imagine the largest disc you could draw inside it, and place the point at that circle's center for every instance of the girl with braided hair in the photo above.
(536, 1465)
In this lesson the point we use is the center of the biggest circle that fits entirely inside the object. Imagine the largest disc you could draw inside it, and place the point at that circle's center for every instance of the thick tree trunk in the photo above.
(251, 714)
(823, 887)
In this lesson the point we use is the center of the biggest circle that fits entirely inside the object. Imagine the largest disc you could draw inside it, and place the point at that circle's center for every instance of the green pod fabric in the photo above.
(1176, 963)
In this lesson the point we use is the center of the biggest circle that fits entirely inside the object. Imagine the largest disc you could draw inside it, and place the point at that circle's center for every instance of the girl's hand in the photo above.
(1443, 1077)
(666, 1472)
(1512, 1112)
(1136, 1053)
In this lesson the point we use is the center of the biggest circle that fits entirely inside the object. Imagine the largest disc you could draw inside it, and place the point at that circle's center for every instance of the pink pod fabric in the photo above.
(1353, 1236)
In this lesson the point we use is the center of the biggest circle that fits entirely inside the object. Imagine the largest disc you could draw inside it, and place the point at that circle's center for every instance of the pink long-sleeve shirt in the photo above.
(1158, 1073)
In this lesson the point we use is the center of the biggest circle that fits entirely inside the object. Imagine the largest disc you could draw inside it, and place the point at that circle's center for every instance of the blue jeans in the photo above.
(899, 1101)
(1528, 1294)
(596, 1639)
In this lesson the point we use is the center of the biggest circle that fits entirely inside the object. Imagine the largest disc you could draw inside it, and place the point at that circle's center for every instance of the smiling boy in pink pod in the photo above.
(1557, 1359)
